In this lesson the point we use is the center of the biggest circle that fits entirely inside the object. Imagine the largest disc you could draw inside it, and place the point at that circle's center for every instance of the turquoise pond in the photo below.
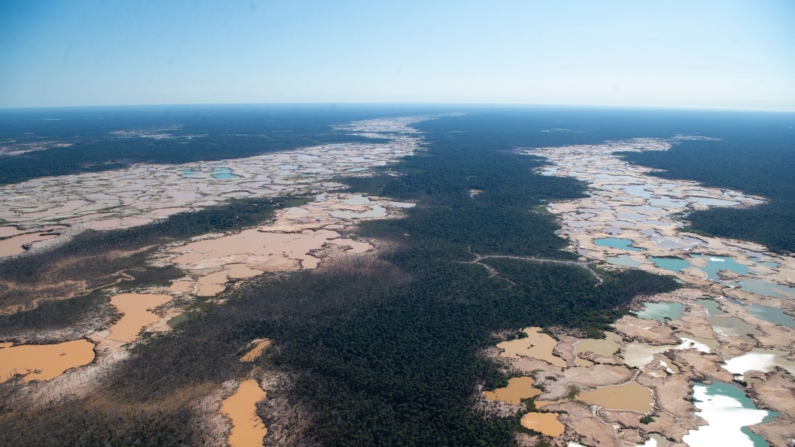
(660, 311)
(672, 264)
(712, 307)
(614, 242)
(771, 314)
(717, 263)
(767, 288)
(223, 173)
(623, 260)
(729, 411)
(190, 173)
(357, 169)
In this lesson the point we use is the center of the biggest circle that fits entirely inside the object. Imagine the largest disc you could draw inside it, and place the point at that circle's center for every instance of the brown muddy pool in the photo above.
(518, 388)
(604, 347)
(256, 350)
(136, 314)
(536, 345)
(44, 362)
(241, 407)
(545, 423)
(627, 396)
(13, 245)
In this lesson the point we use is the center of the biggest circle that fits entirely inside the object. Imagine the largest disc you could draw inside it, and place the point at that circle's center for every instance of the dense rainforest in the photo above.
(752, 160)
(184, 134)
(383, 349)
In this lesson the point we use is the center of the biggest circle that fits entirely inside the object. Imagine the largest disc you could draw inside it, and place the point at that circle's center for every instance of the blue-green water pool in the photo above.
(614, 242)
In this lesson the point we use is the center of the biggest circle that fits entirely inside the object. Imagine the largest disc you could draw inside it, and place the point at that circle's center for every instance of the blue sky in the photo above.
(704, 54)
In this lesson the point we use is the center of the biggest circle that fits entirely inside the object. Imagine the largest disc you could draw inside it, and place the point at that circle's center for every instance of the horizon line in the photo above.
(426, 104)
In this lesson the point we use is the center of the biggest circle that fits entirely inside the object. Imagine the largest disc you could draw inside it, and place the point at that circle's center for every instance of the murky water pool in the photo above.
(518, 388)
(770, 265)
(668, 202)
(734, 327)
(356, 199)
(767, 288)
(638, 355)
(712, 307)
(241, 407)
(44, 362)
(259, 347)
(627, 396)
(546, 423)
(672, 264)
(655, 440)
(536, 345)
(374, 211)
(136, 314)
(660, 311)
(712, 202)
(771, 314)
(622, 260)
(606, 347)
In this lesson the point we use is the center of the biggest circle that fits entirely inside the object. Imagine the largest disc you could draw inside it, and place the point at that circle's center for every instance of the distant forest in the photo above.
(381, 350)
(759, 163)
(227, 132)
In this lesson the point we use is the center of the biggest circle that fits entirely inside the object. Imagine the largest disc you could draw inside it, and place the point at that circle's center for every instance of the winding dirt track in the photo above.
(494, 272)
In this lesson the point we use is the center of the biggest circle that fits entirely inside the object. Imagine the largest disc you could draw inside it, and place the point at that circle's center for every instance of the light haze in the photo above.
(703, 54)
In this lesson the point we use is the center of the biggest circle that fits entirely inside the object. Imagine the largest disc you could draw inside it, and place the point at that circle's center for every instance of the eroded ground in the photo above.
(628, 389)
(301, 237)
(676, 372)
(144, 193)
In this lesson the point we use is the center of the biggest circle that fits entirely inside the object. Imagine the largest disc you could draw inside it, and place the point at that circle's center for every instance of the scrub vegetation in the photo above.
(381, 349)
(96, 259)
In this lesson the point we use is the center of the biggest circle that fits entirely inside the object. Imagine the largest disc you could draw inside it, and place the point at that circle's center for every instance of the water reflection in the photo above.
(728, 411)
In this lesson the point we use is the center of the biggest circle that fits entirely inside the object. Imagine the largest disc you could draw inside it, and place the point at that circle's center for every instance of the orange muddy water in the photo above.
(13, 245)
(627, 396)
(241, 271)
(180, 286)
(212, 284)
(9, 231)
(136, 316)
(546, 423)
(44, 362)
(256, 350)
(536, 345)
(518, 388)
(241, 407)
